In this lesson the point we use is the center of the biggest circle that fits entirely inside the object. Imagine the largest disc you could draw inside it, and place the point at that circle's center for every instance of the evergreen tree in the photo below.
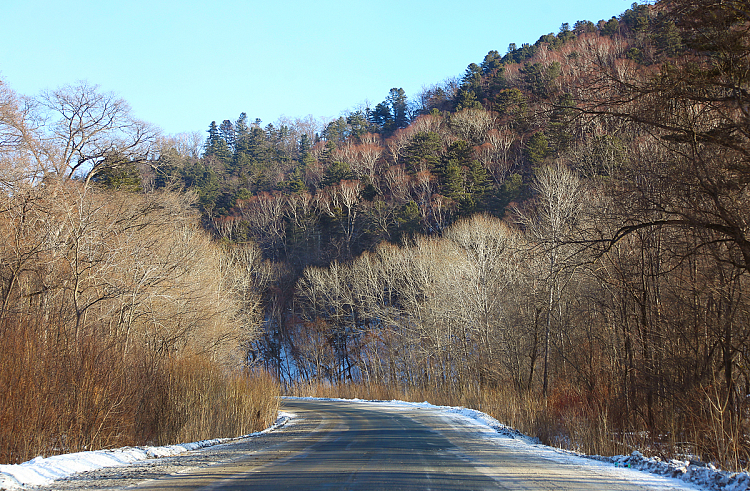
(294, 181)
(204, 181)
(559, 129)
(583, 26)
(537, 78)
(512, 104)
(358, 124)
(537, 149)
(668, 39)
(467, 99)
(610, 28)
(213, 138)
(423, 152)
(477, 188)
(637, 17)
(565, 33)
(452, 180)
(338, 171)
(226, 132)
(382, 117)
(336, 131)
(492, 62)
(397, 101)
(216, 146)
(409, 221)
(511, 191)
(472, 79)
(241, 159)
(119, 174)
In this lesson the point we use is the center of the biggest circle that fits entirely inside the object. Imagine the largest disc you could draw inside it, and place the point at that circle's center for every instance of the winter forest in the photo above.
(559, 237)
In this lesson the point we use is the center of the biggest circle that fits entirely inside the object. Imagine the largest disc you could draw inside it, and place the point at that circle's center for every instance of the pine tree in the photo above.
(216, 146)
(382, 117)
(397, 102)
(120, 174)
(537, 149)
(423, 152)
(226, 131)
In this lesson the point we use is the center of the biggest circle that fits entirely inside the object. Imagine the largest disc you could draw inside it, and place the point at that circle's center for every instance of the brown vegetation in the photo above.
(606, 310)
(601, 353)
(597, 300)
(121, 321)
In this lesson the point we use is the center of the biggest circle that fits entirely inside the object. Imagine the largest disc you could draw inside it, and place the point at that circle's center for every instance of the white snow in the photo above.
(647, 472)
(42, 471)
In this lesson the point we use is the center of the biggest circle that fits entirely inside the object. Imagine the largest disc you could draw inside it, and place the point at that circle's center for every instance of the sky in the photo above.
(181, 64)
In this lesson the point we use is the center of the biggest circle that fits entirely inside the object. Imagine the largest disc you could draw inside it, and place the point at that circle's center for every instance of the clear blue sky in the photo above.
(182, 64)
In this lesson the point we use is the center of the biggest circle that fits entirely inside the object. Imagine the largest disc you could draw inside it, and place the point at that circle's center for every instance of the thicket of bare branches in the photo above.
(638, 341)
(116, 308)
(103, 294)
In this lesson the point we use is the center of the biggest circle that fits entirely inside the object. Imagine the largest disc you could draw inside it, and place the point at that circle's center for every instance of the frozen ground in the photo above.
(681, 474)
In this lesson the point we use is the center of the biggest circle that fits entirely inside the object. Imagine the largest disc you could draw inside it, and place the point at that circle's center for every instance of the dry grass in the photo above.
(61, 396)
(206, 402)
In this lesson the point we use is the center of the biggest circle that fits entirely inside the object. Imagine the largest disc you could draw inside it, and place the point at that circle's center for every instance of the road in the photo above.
(352, 445)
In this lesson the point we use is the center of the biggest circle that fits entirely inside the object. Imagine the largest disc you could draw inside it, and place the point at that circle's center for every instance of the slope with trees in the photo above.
(614, 154)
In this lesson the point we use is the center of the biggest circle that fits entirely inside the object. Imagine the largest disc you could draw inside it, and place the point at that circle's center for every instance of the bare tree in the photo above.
(85, 127)
(495, 153)
(343, 205)
(397, 182)
(550, 224)
(265, 217)
(490, 270)
(472, 125)
(20, 152)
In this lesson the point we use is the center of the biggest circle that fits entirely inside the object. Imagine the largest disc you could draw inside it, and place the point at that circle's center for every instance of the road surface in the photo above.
(353, 445)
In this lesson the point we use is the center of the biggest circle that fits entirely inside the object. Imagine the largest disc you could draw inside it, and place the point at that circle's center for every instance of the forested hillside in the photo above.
(559, 236)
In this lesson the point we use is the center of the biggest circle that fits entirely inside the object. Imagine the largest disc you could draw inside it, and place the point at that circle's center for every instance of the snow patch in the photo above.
(42, 471)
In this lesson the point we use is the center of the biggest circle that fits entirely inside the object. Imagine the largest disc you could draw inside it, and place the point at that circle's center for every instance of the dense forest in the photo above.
(560, 235)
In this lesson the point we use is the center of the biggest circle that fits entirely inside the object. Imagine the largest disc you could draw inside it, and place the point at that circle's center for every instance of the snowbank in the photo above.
(42, 471)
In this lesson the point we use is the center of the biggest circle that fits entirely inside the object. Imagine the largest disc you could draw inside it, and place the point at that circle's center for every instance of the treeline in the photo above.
(121, 321)
(462, 146)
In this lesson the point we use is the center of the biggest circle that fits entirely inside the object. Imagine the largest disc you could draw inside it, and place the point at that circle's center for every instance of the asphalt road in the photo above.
(351, 445)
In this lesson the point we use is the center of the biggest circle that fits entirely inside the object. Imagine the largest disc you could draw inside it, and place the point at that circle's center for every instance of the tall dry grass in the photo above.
(59, 396)
(119, 322)
(207, 402)
(62, 396)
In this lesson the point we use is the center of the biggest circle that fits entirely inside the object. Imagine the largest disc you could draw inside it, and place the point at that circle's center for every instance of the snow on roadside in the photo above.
(42, 471)
(704, 476)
